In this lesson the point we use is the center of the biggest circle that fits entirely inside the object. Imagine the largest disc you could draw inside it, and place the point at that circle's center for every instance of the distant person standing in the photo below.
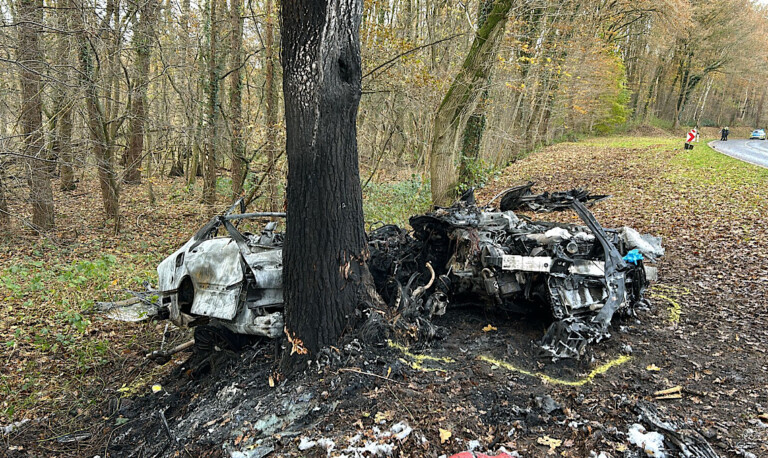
(724, 134)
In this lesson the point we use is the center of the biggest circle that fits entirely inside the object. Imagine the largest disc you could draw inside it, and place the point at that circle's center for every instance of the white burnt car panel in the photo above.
(232, 282)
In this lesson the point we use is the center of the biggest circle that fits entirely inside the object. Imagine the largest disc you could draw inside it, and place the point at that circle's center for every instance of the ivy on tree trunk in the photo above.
(459, 103)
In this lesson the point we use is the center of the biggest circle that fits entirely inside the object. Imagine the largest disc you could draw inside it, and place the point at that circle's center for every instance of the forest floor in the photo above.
(84, 387)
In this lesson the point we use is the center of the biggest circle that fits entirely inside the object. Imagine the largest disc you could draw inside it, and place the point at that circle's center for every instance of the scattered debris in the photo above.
(444, 435)
(547, 441)
(652, 442)
(9, 428)
(670, 393)
(471, 454)
(681, 436)
(547, 404)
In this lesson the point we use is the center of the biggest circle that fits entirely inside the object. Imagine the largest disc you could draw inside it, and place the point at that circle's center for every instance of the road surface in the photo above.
(752, 151)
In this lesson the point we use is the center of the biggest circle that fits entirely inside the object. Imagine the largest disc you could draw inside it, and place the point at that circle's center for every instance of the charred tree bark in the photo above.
(30, 56)
(271, 108)
(460, 101)
(239, 163)
(142, 42)
(325, 249)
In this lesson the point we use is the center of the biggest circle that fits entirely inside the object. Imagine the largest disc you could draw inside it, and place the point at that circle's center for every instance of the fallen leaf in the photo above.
(383, 417)
(444, 435)
(489, 328)
(157, 388)
(549, 442)
(653, 367)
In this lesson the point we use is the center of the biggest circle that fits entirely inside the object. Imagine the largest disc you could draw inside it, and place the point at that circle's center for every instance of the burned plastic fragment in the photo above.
(681, 436)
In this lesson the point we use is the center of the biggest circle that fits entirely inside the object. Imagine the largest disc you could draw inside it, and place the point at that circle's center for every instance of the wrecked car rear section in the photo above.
(232, 282)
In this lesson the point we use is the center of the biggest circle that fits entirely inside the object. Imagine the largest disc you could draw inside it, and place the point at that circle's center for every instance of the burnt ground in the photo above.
(705, 332)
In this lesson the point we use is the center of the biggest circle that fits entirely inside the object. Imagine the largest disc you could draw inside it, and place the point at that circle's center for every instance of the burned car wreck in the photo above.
(584, 275)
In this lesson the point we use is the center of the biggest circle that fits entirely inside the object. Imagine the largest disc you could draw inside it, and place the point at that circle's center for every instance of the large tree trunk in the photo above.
(325, 249)
(475, 128)
(30, 56)
(271, 108)
(236, 101)
(460, 101)
(212, 108)
(96, 125)
(142, 42)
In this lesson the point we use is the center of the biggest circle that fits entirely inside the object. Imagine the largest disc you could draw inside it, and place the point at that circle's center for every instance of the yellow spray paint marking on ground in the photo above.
(417, 361)
(600, 370)
(674, 309)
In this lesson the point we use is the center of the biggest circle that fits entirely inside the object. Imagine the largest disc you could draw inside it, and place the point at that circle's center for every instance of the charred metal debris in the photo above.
(583, 275)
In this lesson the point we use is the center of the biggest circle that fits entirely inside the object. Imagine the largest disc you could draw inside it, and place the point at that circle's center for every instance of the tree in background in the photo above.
(211, 141)
(97, 125)
(30, 58)
(460, 102)
(270, 100)
(63, 101)
(143, 36)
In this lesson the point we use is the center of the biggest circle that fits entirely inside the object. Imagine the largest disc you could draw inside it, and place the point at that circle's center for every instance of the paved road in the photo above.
(752, 151)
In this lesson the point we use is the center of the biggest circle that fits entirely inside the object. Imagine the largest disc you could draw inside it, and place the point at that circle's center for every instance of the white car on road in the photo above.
(757, 134)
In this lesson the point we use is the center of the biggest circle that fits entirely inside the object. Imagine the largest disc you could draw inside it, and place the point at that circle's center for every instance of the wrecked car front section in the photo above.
(493, 257)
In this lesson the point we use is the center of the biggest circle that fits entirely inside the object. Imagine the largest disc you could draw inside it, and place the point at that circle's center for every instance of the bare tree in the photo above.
(239, 162)
(212, 105)
(143, 36)
(97, 126)
(63, 102)
(460, 101)
(31, 63)
(271, 105)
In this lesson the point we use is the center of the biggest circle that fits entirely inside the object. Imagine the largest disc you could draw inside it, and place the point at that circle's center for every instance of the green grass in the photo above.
(705, 165)
(395, 202)
(48, 321)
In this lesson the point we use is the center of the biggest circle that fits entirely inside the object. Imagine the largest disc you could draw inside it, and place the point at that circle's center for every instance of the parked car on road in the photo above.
(757, 134)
